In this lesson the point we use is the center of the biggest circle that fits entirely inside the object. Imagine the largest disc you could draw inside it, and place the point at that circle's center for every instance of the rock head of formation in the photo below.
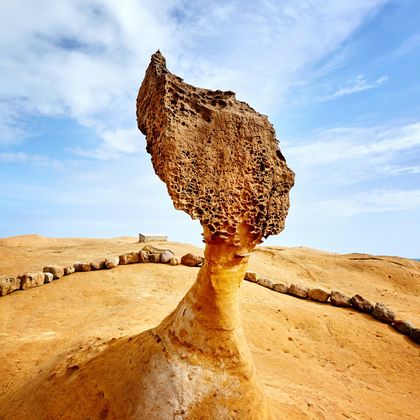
(218, 157)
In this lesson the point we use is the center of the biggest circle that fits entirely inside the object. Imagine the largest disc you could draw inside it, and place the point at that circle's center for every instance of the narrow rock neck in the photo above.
(206, 323)
(215, 294)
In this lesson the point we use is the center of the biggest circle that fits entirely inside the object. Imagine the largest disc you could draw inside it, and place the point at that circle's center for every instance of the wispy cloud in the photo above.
(12, 131)
(407, 46)
(32, 159)
(375, 201)
(115, 143)
(352, 154)
(338, 170)
(86, 59)
(359, 84)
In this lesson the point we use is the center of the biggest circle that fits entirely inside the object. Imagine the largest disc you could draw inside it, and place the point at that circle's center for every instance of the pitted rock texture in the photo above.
(55, 270)
(218, 157)
(8, 285)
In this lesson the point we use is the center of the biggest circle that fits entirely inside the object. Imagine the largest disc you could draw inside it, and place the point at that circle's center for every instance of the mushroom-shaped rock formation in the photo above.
(221, 163)
(218, 157)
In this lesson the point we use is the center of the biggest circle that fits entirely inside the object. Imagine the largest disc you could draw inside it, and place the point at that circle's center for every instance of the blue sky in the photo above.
(340, 81)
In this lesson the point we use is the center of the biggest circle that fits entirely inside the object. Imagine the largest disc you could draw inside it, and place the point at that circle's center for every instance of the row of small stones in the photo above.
(380, 311)
(54, 272)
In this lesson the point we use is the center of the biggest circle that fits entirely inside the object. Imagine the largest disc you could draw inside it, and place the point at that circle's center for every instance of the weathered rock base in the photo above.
(137, 378)
(194, 365)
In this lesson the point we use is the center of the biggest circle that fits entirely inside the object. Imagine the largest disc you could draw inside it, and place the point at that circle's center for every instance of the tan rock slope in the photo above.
(314, 360)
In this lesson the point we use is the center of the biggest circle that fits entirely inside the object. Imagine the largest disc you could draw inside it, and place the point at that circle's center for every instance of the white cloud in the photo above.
(338, 170)
(123, 140)
(11, 130)
(353, 154)
(271, 44)
(393, 170)
(85, 59)
(115, 143)
(26, 158)
(359, 84)
(375, 201)
(80, 60)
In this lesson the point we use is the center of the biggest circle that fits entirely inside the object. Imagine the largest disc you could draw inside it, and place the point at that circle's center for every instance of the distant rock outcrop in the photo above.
(265, 283)
(97, 265)
(298, 291)
(82, 266)
(69, 270)
(48, 277)
(280, 287)
(166, 257)
(415, 335)
(251, 276)
(130, 258)
(111, 262)
(404, 327)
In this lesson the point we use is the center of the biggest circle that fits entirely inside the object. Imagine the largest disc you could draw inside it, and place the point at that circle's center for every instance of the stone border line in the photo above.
(379, 312)
(150, 254)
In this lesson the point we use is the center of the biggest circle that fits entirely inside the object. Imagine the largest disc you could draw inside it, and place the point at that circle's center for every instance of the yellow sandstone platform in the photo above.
(314, 360)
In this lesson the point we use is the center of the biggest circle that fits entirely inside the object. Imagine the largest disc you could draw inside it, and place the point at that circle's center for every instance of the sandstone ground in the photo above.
(315, 360)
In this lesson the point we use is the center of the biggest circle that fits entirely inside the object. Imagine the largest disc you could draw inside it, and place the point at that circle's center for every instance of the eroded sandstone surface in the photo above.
(219, 158)
(293, 341)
